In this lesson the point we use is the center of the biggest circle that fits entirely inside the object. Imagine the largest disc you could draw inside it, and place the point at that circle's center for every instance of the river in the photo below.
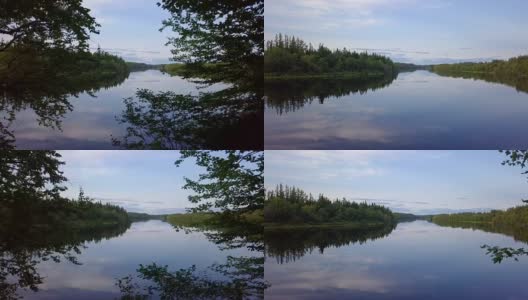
(103, 259)
(417, 110)
(417, 260)
(52, 116)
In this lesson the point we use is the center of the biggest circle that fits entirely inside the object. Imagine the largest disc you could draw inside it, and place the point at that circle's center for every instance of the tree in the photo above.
(32, 173)
(46, 23)
(234, 180)
(227, 34)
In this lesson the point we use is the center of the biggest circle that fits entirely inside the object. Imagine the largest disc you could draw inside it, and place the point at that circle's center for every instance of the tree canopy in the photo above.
(291, 55)
(228, 34)
(63, 24)
(234, 180)
(34, 173)
(292, 205)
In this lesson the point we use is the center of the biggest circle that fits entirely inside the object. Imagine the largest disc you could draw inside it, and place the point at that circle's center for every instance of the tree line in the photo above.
(512, 217)
(288, 204)
(517, 66)
(290, 55)
(31, 183)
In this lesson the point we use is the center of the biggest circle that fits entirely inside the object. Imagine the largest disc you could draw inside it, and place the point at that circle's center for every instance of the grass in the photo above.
(349, 225)
(340, 75)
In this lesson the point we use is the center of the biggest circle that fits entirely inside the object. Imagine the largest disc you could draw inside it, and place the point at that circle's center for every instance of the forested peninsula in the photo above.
(292, 207)
(288, 57)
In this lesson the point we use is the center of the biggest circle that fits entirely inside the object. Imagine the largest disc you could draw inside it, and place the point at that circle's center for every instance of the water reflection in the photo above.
(239, 277)
(48, 98)
(418, 110)
(286, 96)
(417, 260)
(290, 245)
(23, 246)
(517, 82)
(228, 119)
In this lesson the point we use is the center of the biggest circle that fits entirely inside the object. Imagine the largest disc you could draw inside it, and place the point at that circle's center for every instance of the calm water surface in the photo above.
(418, 110)
(103, 262)
(417, 260)
(91, 123)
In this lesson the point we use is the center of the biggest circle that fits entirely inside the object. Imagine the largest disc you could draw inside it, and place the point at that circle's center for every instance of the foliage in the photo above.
(33, 174)
(44, 81)
(511, 222)
(291, 55)
(234, 180)
(166, 120)
(291, 205)
(33, 230)
(499, 254)
(228, 34)
(242, 280)
(46, 23)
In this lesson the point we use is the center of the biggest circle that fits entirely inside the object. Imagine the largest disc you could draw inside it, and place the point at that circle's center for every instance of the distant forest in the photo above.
(517, 66)
(287, 55)
(515, 216)
(291, 205)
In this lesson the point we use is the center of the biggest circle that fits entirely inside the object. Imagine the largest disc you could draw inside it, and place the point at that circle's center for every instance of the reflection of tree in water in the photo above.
(45, 89)
(238, 278)
(227, 119)
(290, 95)
(288, 245)
(24, 245)
(518, 233)
(498, 254)
(517, 82)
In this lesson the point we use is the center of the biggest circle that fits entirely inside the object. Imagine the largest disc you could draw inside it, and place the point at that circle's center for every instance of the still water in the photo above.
(417, 110)
(57, 117)
(104, 259)
(417, 260)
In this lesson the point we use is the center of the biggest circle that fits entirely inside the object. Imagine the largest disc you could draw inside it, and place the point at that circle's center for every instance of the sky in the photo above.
(419, 182)
(130, 29)
(139, 181)
(413, 31)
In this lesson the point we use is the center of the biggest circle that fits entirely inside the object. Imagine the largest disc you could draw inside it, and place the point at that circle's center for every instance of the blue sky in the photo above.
(139, 181)
(421, 182)
(130, 28)
(417, 31)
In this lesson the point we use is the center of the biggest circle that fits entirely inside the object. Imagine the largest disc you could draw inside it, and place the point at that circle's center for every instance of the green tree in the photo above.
(227, 34)
(33, 173)
(234, 180)
(46, 23)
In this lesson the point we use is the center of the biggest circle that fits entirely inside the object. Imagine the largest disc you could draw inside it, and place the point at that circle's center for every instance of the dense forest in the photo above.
(290, 205)
(287, 56)
(23, 64)
(83, 213)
